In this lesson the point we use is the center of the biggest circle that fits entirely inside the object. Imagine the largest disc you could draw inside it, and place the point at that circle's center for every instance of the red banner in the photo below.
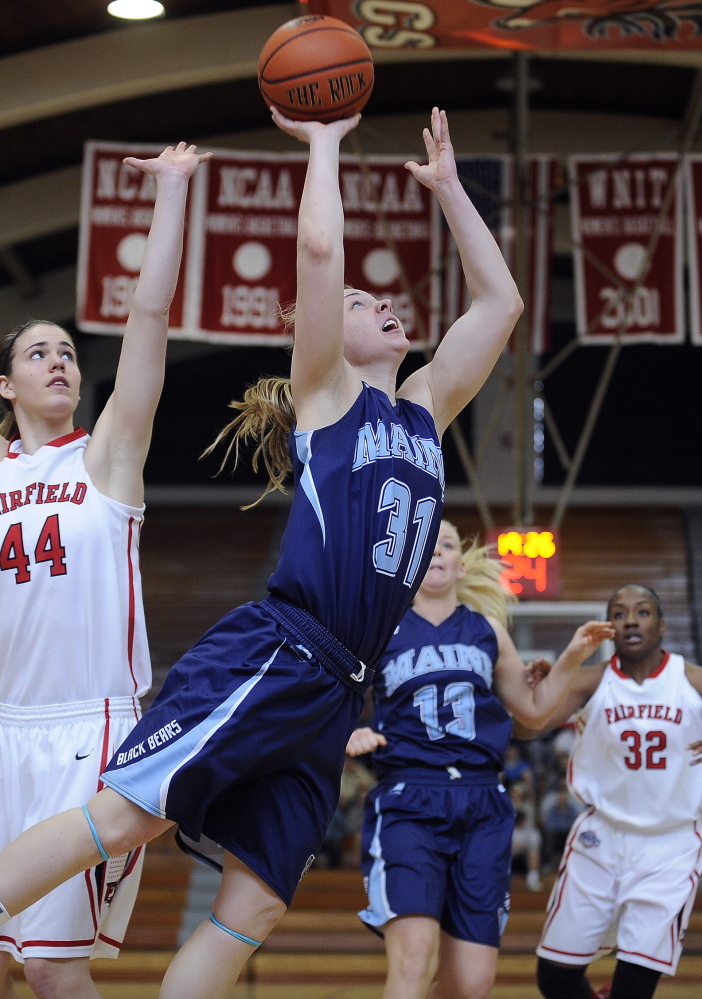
(245, 258)
(239, 259)
(693, 186)
(616, 207)
(116, 211)
(532, 25)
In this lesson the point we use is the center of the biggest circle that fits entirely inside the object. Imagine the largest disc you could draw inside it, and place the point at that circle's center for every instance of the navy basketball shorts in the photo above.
(243, 749)
(441, 850)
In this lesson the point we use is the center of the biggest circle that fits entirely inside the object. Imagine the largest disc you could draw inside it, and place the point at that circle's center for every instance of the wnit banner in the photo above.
(628, 242)
(240, 247)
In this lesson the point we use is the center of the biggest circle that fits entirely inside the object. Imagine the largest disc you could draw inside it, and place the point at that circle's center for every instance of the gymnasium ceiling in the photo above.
(69, 72)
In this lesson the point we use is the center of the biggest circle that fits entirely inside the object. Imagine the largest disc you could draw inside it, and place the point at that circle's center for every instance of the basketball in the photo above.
(316, 68)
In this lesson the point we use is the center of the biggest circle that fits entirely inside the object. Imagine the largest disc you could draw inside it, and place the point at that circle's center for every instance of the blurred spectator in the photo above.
(558, 817)
(342, 843)
(526, 840)
(517, 769)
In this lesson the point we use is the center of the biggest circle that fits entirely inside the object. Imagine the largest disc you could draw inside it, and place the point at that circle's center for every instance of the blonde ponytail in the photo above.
(481, 587)
(266, 417)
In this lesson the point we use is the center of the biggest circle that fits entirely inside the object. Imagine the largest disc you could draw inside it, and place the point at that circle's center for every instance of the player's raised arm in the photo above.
(566, 687)
(318, 373)
(472, 345)
(117, 451)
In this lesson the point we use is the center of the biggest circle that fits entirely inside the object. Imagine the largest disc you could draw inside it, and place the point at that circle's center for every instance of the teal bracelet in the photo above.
(233, 933)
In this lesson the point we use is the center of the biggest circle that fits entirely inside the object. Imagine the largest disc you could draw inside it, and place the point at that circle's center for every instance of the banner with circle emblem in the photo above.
(240, 246)
(627, 226)
(117, 206)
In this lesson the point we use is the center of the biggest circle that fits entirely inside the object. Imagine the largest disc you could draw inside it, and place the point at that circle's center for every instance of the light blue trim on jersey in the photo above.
(144, 777)
(207, 728)
(378, 912)
(303, 444)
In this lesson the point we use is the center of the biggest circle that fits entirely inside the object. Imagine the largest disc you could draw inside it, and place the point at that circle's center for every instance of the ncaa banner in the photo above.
(117, 203)
(489, 182)
(615, 208)
(245, 246)
(240, 258)
(245, 253)
(693, 192)
(531, 25)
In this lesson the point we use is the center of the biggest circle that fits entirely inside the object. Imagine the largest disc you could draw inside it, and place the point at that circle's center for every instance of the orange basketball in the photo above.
(316, 68)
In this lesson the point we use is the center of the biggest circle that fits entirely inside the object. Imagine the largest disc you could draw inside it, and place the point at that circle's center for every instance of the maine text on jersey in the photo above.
(422, 452)
(406, 666)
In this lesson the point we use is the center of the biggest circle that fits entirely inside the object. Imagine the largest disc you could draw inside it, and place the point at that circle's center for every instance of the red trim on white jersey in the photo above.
(108, 940)
(635, 953)
(563, 873)
(58, 442)
(104, 755)
(91, 897)
(58, 943)
(132, 863)
(614, 663)
(132, 605)
(47, 943)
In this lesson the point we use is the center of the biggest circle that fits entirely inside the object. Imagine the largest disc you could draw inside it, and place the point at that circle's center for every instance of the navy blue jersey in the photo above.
(364, 519)
(434, 699)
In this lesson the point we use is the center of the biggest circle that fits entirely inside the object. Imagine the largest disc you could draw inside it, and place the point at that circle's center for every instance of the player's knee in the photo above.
(416, 959)
(478, 989)
(558, 981)
(52, 978)
(120, 824)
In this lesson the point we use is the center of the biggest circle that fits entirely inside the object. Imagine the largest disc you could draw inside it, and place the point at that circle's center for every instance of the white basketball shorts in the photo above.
(626, 891)
(51, 758)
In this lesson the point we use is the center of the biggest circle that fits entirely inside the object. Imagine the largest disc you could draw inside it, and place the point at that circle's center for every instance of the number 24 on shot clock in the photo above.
(531, 560)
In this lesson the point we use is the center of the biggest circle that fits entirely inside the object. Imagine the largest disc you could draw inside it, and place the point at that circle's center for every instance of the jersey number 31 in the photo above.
(396, 497)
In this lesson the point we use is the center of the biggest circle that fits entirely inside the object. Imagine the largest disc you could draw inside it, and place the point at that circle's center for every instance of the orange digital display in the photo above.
(531, 560)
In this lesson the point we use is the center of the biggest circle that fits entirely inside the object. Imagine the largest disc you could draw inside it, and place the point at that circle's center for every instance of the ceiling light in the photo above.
(136, 10)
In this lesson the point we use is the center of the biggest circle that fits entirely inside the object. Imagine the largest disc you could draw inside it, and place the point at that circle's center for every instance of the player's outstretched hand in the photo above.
(588, 637)
(364, 740)
(696, 748)
(536, 671)
(304, 130)
(183, 159)
(441, 168)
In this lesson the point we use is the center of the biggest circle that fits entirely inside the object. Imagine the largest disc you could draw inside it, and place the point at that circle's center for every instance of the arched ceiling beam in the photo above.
(189, 52)
(147, 59)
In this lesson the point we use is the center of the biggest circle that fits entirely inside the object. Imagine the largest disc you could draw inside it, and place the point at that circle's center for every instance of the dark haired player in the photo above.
(629, 874)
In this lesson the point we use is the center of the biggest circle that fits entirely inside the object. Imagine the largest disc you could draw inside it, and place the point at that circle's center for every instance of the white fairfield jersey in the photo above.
(630, 758)
(71, 615)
